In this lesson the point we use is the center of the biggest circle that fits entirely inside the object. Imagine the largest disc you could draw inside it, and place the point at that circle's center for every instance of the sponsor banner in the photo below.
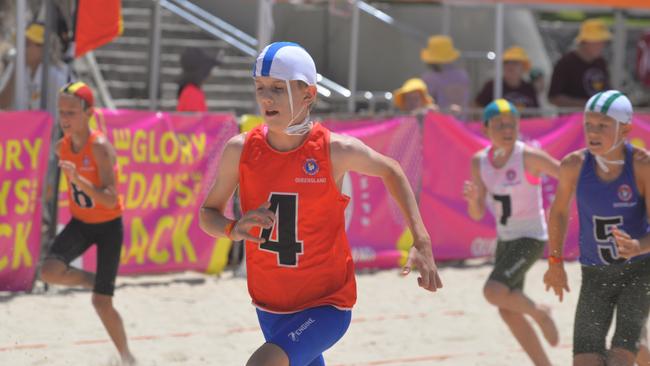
(24, 148)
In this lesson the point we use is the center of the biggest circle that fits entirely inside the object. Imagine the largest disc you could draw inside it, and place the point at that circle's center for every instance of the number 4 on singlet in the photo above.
(281, 238)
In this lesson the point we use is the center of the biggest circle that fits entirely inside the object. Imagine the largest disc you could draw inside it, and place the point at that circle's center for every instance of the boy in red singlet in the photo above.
(289, 172)
(89, 162)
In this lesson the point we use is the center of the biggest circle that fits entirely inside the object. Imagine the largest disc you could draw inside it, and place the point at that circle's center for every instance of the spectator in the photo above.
(447, 82)
(515, 89)
(196, 67)
(57, 74)
(413, 97)
(581, 73)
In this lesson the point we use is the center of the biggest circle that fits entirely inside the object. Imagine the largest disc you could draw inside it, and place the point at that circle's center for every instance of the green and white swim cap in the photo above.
(611, 103)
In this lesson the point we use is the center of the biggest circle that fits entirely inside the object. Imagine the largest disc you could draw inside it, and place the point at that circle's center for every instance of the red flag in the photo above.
(98, 22)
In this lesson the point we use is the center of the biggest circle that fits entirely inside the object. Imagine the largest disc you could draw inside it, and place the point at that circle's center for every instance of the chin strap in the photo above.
(299, 128)
(498, 152)
(602, 162)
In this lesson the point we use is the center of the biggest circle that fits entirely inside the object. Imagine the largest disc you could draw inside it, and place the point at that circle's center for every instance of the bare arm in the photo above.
(106, 193)
(539, 162)
(211, 215)
(350, 154)
(628, 246)
(555, 277)
(474, 191)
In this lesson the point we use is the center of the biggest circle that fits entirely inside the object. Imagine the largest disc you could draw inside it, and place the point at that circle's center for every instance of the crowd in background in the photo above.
(446, 86)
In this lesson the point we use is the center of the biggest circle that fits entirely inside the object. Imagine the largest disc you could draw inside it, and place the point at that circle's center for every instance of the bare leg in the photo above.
(588, 359)
(268, 355)
(620, 357)
(113, 323)
(57, 272)
(525, 335)
(643, 357)
(502, 297)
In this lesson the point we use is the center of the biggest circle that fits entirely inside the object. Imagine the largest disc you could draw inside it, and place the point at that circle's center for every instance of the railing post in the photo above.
(498, 59)
(354, 53)
(154, 59)
(20, 94)
(618, 46)
(47, 49)
(265, 24)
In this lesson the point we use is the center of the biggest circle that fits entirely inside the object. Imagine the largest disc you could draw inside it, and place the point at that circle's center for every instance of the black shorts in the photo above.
(624, 287)
(78, 236)
(513, 258)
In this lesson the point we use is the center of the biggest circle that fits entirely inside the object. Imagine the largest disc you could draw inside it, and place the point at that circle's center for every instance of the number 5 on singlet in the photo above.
(281, 238)
(603, 227)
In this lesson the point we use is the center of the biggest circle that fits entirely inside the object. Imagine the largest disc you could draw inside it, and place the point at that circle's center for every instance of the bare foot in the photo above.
(546, 323)
(128, 360)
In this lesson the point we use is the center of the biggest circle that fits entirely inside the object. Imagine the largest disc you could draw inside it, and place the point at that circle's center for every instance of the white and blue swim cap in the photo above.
(286, 61)
(611, 103)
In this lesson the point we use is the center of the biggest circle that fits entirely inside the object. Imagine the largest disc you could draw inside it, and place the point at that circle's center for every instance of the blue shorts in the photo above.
(305, 335)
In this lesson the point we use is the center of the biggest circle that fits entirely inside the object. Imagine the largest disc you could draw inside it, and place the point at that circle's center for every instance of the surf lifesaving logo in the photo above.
(310, 167)
(624, 192)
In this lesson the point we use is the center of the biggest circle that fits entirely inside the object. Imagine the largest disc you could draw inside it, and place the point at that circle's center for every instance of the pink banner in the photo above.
(24, 147)
(375, 227)
(167, 162)
(449, 146)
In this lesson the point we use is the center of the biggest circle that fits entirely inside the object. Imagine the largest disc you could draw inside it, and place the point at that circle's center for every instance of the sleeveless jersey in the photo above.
(82, 207)
(305, 261)
(515, 202)
(605, 205)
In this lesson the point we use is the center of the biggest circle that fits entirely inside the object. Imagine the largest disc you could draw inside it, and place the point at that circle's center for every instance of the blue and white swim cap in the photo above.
(286, 61)
(611, 103)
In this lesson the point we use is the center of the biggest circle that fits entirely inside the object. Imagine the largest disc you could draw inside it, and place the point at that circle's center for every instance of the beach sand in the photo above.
(194, 319)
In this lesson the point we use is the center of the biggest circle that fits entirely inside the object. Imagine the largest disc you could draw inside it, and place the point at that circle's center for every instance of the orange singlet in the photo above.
(305, 261)
(82, 207)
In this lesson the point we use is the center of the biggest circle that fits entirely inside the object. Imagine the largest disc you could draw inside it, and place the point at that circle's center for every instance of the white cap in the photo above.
(286, 61)
(611, 103)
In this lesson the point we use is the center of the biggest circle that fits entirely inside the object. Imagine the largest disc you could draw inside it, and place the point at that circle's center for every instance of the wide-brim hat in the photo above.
(593, 30)
(411, 85)
(440, 50)
(517, 54)
(35, 32)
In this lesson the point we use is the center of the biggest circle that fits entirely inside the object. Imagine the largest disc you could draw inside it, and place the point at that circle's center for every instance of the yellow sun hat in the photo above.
(411, 85)
(35, 32)
(516, 53)
(593, 30)
(440, 50)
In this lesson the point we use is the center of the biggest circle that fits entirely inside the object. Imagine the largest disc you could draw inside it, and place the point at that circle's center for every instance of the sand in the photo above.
(194, 319)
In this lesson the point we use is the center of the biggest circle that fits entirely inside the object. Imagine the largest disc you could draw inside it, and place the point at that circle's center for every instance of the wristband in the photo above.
(229, 227)
(553, 259)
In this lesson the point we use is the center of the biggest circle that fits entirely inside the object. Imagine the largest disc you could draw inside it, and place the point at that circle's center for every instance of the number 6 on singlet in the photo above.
(281, 238)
